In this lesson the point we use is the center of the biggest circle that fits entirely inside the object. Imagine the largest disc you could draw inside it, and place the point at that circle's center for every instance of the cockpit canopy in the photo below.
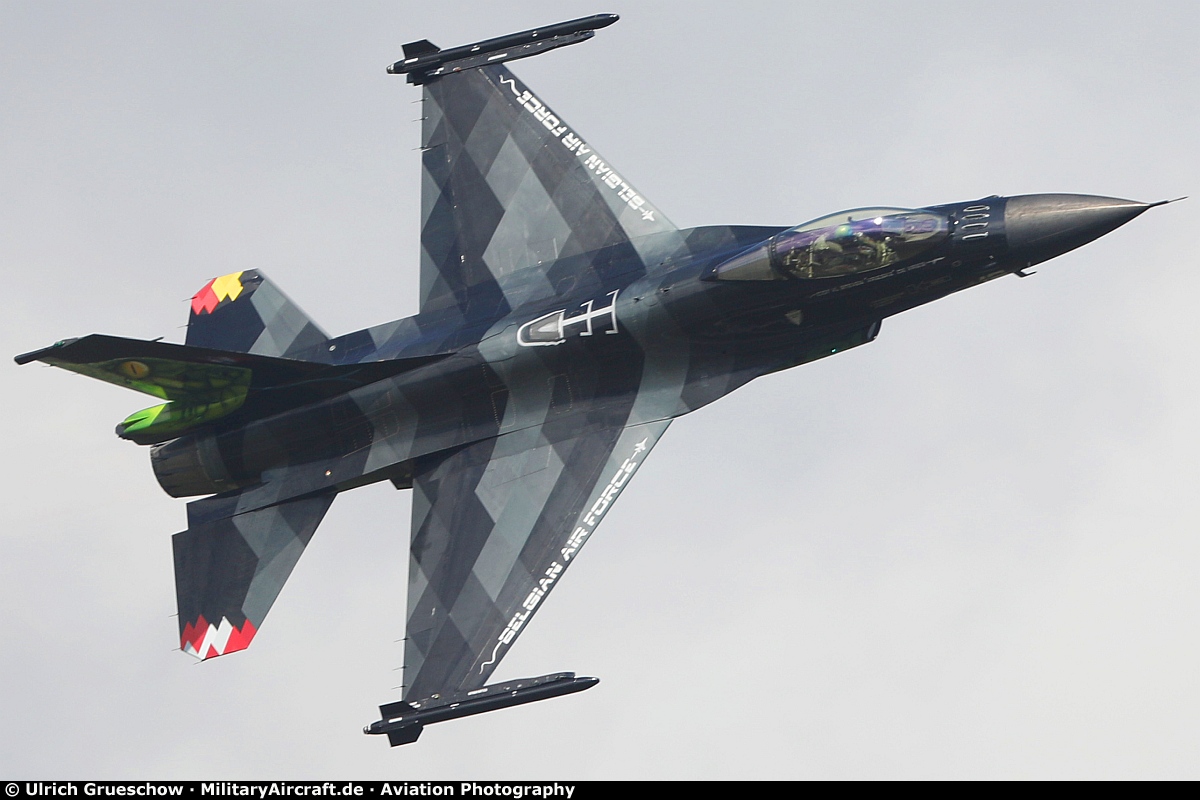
(846, 243)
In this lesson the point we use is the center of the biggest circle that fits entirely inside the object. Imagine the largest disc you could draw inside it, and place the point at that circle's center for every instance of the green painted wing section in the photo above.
(202, 385)
(167, 379)
(173, 419)
(197, 393)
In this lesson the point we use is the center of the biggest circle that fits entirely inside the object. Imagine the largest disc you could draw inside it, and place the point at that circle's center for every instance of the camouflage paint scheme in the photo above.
(564, 322)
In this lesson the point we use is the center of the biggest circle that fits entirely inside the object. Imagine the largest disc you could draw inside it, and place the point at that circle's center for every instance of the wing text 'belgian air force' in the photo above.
(564, 322)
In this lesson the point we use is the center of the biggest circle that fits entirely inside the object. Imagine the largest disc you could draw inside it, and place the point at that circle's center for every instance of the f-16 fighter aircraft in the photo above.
(565, 321)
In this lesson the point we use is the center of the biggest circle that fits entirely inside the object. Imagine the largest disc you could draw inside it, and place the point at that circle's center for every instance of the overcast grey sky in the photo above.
(970, 549)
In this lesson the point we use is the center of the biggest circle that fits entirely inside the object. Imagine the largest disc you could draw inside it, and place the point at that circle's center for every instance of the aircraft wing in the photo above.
(508, 186)
(495, 525)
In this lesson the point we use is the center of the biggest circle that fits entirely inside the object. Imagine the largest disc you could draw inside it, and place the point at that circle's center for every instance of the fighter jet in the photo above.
(564, 322)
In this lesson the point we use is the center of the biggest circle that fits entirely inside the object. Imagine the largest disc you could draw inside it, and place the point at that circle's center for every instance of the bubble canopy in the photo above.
(845, 243)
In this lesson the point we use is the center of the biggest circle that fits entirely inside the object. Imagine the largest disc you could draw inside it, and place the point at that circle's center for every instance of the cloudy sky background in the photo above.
(970, 549)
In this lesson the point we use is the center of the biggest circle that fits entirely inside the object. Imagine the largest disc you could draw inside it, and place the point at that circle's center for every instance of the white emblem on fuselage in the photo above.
(555, 327)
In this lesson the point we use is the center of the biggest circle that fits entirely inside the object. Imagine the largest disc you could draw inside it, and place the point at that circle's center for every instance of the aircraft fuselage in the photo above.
(605, 342)
(565, 322)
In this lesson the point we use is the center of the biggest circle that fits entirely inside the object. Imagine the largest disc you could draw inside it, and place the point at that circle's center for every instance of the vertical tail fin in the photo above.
(246, 313)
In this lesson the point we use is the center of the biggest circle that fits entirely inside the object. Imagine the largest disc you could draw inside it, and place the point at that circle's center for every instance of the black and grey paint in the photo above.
(564, 322)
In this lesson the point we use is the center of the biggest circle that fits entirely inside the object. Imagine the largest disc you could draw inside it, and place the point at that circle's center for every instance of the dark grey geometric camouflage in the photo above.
(519, 211)
(224, 554)
(266, 322)
(564, 323)
(508, 187)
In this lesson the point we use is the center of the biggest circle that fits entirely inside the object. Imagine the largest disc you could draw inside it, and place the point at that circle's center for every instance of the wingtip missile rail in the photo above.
(403, 722)
(423, 61)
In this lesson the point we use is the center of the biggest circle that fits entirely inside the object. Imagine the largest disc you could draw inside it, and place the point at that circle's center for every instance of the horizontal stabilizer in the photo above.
(229, 570)
(203, 385)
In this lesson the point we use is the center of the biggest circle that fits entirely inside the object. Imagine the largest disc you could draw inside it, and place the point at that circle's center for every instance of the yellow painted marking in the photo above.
(134, 369)
(228, 286)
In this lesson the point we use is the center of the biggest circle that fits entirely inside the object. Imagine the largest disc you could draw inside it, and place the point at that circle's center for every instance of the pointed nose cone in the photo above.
(1042, 226)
